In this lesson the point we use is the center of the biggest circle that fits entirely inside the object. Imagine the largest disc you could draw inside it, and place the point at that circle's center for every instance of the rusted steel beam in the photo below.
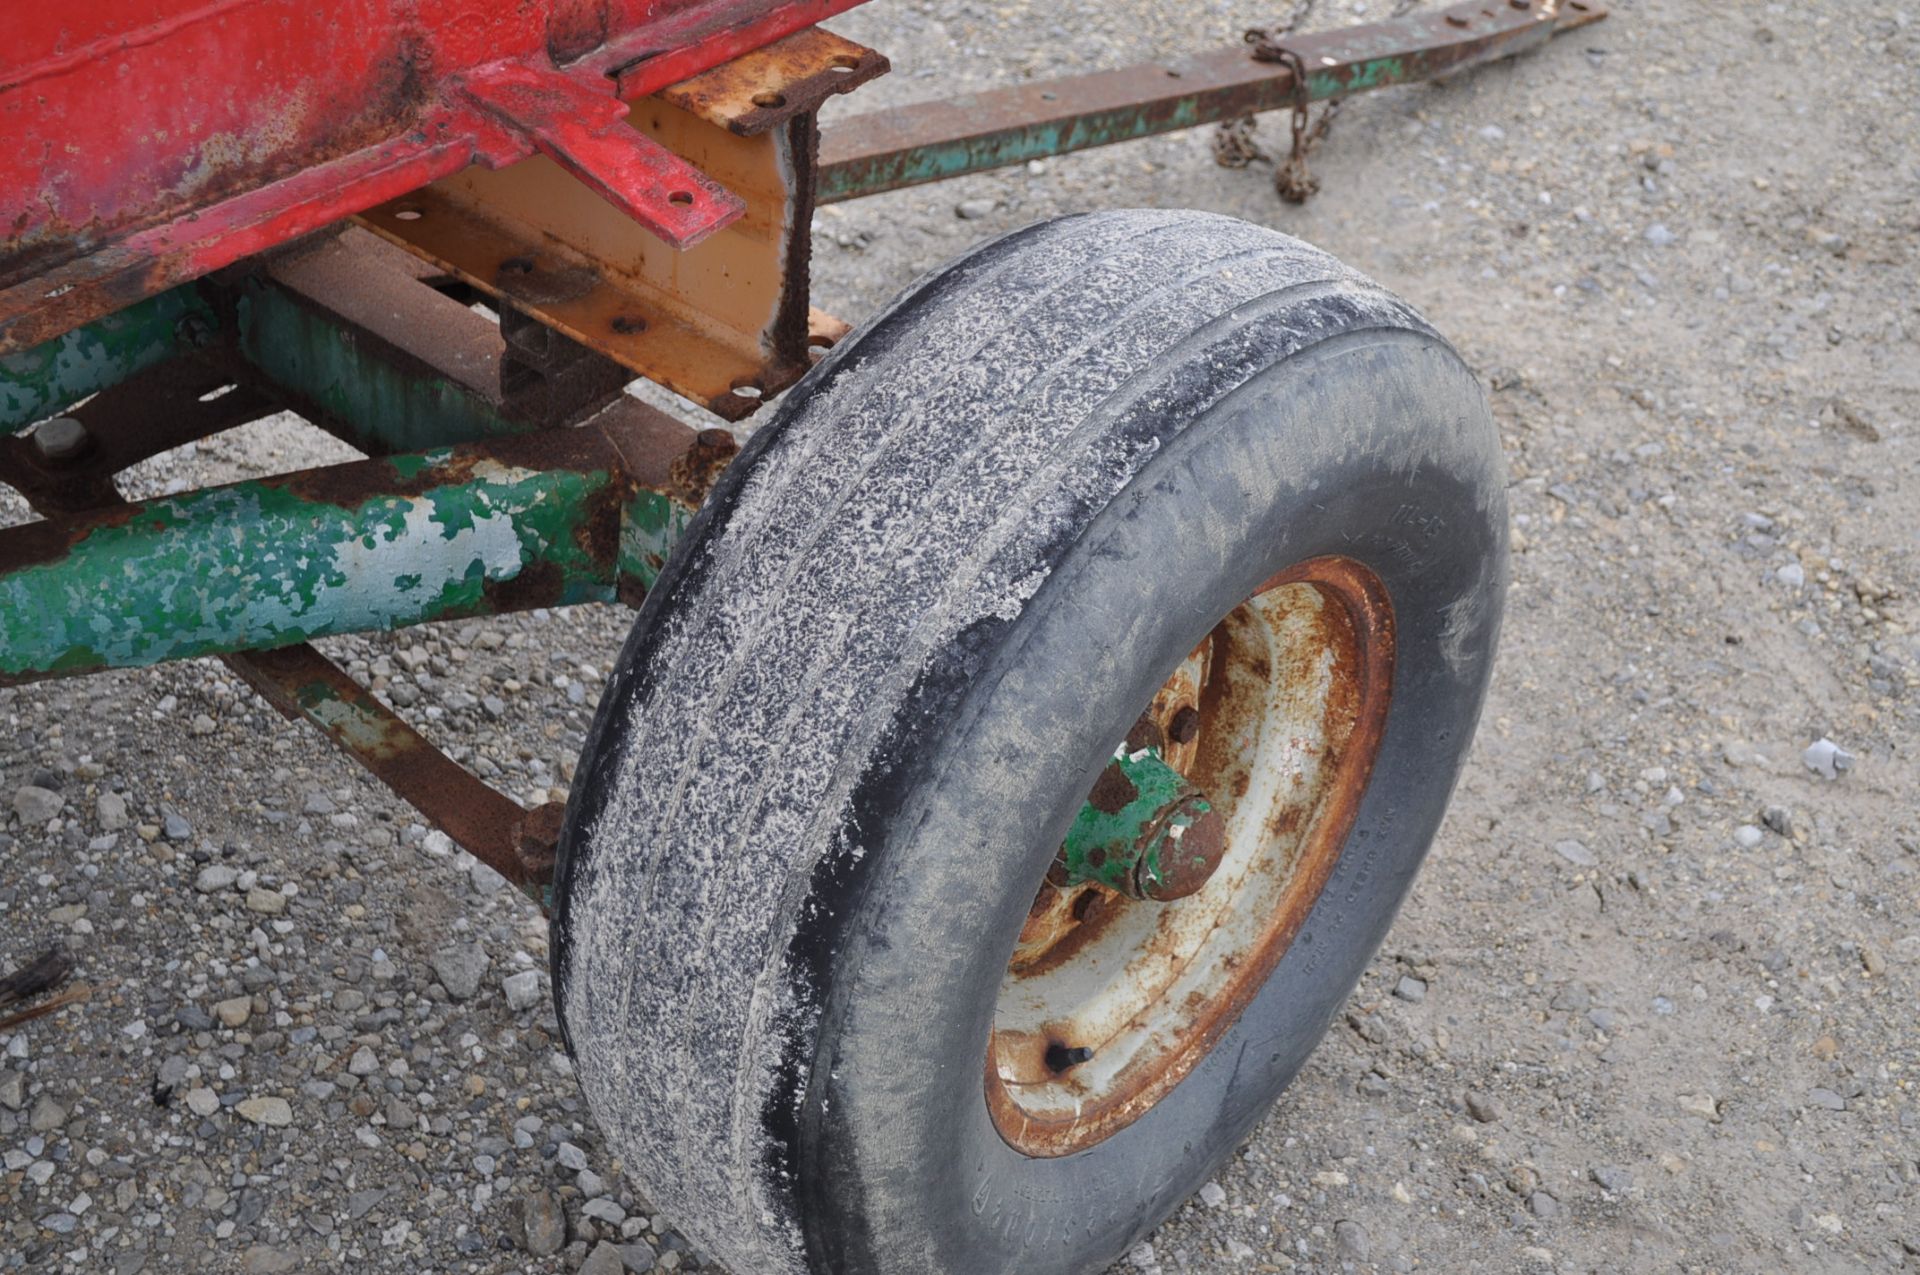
(769, 86)
(491, 826)
(583, 129)
(547, 519)
(177, 402)
(936, 140)
(723, 323)
(35, 383)
(349, 333)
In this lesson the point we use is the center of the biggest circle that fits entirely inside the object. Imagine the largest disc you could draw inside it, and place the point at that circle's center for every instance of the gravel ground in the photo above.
(1652, 1005)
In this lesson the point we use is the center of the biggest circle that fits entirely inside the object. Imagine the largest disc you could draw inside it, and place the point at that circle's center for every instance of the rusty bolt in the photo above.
(193, 331)
(1185, 726)
(60, 440)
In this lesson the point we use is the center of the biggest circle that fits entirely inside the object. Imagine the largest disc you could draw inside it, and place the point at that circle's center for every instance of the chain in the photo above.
(1233, 144)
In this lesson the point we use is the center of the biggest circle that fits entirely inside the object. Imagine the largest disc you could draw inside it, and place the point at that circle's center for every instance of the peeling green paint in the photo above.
(54, 375)
(1126, 845)
(650, 526)
(266, 564)
(389, 405)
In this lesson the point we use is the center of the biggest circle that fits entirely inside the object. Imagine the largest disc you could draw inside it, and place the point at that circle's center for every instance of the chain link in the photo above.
(1233, 143)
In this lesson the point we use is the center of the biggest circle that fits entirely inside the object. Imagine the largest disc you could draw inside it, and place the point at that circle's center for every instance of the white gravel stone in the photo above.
(1827, 759)
(524, 990)
(35, 805)
(267, 1111)
(110, 812)
(216, 878)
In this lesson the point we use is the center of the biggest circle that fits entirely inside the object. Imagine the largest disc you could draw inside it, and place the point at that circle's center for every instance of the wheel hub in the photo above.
(1195, 861)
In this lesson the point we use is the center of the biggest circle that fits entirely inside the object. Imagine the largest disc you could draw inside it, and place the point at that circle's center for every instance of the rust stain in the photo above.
(538, 584)
(1113, 791)
(695, 471)
(1357, 625)
(774, 83)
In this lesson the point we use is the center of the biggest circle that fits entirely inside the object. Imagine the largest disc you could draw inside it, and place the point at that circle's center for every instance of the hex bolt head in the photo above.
(60, 440)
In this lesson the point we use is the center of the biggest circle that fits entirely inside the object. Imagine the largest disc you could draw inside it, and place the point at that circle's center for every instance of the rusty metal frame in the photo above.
(726, 322)
(669, 238)
(319, 114)
(936, 140)
(354, 292)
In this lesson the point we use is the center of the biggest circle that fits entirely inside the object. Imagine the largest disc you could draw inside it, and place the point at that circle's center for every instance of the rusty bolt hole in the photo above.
(770, 100)
(628, 324)
(747, 389)
(517, 265)
(844, 64)
(407, 212)
(1062, 1057)
(681, 197)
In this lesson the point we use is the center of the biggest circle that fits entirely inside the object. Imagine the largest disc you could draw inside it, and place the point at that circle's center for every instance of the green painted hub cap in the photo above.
(1145, 831)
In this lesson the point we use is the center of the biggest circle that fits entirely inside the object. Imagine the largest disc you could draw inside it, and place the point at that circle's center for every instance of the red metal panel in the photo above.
(143, 142)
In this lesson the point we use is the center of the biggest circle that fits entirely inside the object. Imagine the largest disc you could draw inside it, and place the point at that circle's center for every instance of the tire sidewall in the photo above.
(1374, 447)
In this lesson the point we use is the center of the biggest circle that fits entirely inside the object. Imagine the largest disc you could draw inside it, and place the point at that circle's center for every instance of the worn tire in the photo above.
(858, 712)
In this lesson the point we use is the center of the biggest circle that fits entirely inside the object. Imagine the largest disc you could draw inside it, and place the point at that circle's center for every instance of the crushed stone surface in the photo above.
(1650, 1007)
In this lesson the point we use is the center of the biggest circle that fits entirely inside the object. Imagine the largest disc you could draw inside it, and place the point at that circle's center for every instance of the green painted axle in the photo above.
(1145, 832)
(538, 520)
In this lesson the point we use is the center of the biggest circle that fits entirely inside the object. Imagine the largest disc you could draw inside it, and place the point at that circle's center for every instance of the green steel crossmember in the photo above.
(345, 333)
(387, 401)
(545, 519)
(327, 365)
(53, 376)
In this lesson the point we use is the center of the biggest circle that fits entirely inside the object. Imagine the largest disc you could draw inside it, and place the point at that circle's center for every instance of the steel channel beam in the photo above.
(350, 334)
(723, 323)
(512, 840)
(560, 517)
(936, 140)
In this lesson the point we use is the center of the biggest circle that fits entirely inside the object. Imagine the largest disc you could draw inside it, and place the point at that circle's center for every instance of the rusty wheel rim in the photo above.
(1108, 1002)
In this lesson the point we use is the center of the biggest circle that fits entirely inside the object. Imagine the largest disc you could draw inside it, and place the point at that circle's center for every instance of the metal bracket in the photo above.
(724, 323)
(585, 132)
